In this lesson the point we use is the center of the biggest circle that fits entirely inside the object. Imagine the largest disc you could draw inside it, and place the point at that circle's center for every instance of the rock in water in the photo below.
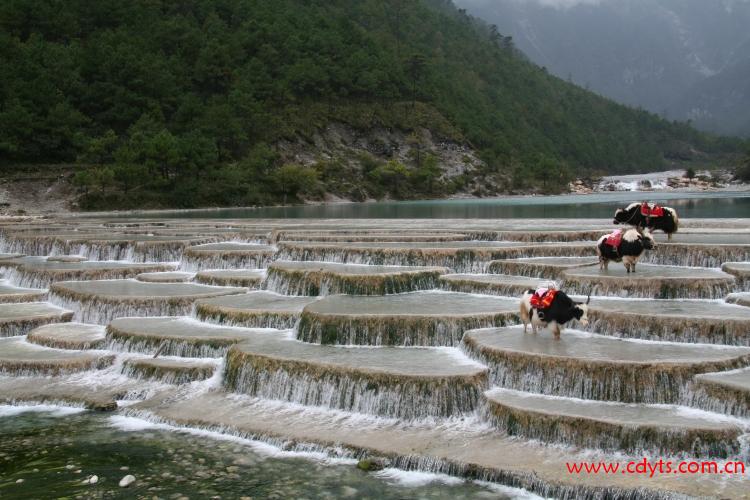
(127, 481)
(92, 480)
(371, 464)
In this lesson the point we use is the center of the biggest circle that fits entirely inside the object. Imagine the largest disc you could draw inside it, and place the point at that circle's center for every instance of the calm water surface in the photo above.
(54, 451)
(703, 205)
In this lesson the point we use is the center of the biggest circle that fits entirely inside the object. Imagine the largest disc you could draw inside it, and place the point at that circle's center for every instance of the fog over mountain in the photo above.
(685, 59)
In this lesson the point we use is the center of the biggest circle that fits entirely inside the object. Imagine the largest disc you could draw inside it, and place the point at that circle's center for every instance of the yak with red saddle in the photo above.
(649, 215)
(624, 246)
(550, 307)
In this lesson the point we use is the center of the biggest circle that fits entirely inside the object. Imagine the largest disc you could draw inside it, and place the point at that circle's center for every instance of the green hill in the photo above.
(239, 102)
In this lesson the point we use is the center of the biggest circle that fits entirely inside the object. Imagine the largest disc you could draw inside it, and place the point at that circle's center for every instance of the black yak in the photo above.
(649, 215)
(547, 306)
(626, 246)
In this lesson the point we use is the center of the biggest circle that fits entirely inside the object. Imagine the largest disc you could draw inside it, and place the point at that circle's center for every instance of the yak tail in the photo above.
(676, 220)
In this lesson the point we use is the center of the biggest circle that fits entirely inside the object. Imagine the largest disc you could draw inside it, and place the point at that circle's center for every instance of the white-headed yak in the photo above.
(550, 307)
(624, 245)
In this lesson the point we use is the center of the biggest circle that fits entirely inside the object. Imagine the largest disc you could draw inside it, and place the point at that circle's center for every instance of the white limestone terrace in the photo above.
(545, 236)
(540, 267)
(735, 379)
(725, 392)
(165, 277)
(406, 245)
(742, 299)
(174, 336)
(21, 358)
(425, 318)
(634, 428)
(137, 289)
(376, 235)
(78, 336)
(741, 272)
(389, 381)
(100, 301)
(682, 320)
(591, 366)
(412, 408)
(92, 389)
(349, 269)
(102, 244)
(704, 238)
(7, 256)
(170, 370)
(19, 319)
(249, 278)
(40, 272)
(253, 309)
(12, 293)
(697, 249)
(650, 281)
(461, 256)
(491, 284)
(475, 452)
(66, 258)
(326, 278)
(226, 255)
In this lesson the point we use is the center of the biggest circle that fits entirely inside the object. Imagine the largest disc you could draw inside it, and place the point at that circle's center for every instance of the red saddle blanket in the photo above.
(543, 298)
(614, 239)
(654, 210)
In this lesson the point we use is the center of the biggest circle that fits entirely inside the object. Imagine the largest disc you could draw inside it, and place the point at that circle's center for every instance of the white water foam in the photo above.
(413, 479)
(53, 410)
(135, 424)
(516, 493)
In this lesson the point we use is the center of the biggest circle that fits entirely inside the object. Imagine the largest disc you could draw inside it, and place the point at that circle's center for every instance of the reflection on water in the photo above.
(706, 205)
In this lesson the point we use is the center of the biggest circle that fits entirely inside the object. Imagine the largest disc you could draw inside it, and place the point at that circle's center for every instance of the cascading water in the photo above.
(338, 379)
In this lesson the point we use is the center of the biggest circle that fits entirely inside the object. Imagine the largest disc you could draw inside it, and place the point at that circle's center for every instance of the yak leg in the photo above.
(534, 323)
(669, 236)
(556, 330)
(524, 316)
(629, 263)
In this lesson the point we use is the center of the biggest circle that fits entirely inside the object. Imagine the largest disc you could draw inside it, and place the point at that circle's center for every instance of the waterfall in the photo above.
(695, 255)
(589, 379)
(728, 331)
(321, 282)
(394, 330)
(591, 433)
(387, 395)
(101, 310)
(169, 372)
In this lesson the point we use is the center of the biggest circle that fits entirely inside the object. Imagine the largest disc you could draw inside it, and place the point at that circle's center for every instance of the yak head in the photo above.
(621, 216)
(645, 236)
(581, 312)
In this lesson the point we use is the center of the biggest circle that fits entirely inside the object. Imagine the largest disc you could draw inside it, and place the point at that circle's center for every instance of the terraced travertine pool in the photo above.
(262, 357)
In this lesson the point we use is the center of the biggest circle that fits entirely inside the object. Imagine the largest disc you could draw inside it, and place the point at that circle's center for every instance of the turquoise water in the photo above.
(53, 452)
(703, 204)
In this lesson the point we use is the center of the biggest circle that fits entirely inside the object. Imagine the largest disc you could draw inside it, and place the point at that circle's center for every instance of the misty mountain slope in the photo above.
(649, 53)
(721, 102)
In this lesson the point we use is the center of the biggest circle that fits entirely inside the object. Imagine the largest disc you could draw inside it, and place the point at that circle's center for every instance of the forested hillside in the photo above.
(191, 103)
